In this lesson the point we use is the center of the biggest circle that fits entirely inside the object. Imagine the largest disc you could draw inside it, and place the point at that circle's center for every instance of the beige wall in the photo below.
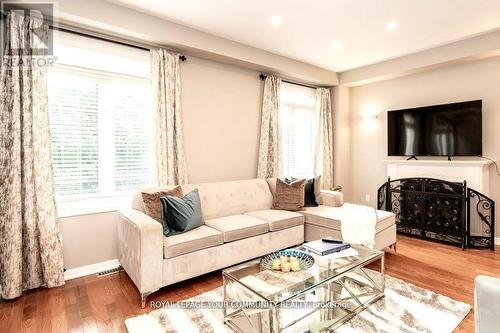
(221, 107)
(368, 146)
(89, 239)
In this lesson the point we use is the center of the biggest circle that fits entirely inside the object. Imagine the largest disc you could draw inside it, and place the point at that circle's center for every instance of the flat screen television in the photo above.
(438, 130)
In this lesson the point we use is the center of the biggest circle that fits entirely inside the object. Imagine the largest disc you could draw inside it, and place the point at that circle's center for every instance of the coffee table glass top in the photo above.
(276, 286)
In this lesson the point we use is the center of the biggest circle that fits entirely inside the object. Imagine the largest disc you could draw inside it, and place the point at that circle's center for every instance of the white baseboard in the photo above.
(77, 272)
(497, 241)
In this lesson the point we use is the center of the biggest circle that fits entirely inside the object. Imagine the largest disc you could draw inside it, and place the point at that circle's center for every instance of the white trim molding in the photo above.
(77, 272)
(474, 171)
(497, 241)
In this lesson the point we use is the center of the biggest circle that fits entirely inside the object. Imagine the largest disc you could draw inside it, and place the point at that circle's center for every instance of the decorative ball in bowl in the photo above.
(287, 261)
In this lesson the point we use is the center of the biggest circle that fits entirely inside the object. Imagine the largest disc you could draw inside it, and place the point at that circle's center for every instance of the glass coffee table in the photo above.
(319, 299)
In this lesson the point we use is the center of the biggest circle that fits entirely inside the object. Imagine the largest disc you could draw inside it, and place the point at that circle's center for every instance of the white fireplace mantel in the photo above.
(475, 172)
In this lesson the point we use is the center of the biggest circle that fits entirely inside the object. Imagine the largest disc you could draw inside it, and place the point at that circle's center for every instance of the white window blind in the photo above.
(101, 125)
(133, 128)
(73, 105)
(299, 122)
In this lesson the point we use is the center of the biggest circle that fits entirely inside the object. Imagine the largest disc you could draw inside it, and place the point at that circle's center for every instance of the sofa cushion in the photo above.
(191, 241)
(330, 217)
(236, 227)
(278, 219)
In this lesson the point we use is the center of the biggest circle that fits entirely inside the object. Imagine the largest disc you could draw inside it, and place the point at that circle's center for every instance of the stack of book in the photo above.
(325, 248)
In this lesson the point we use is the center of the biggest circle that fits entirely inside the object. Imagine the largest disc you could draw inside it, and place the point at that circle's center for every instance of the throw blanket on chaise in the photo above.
(358, 224)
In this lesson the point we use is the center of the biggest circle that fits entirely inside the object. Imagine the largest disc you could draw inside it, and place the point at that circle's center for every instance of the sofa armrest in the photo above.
(140, 249)
(331, 198)
(486, 296)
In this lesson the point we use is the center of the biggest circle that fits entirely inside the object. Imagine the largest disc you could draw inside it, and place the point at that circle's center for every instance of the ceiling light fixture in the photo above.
(391, 25)
(276, 20)
(337, 45)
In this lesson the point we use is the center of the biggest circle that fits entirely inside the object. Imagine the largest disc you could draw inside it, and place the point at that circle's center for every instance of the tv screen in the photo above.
(439, 130)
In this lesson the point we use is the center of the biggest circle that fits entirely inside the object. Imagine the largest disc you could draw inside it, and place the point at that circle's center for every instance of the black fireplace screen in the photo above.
(439, 210)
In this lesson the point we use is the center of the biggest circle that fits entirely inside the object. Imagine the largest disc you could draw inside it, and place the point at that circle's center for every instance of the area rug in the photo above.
(405, 308)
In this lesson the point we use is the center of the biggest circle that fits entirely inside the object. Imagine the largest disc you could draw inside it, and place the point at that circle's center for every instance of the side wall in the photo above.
(368, 137)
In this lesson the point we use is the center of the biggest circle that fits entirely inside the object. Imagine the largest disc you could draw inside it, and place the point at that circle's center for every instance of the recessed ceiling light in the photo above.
(276, 20)
(391, 25)
(337, 45)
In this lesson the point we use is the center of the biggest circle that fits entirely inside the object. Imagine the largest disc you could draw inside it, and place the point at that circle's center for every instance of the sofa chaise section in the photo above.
(324, 221)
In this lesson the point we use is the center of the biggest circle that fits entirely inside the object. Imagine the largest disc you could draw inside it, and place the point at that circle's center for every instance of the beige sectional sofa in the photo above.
(239, 225)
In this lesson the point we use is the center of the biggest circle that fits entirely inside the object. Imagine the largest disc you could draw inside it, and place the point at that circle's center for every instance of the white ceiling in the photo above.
(311, 30)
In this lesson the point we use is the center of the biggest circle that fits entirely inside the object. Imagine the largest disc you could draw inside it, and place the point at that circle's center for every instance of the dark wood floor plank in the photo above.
(101, 304)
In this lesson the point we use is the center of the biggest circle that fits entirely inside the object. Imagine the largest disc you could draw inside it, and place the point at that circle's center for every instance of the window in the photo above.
(299, 122)
(101, 123)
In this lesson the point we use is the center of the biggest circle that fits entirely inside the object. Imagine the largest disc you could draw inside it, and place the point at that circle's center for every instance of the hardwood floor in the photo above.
(92, 304)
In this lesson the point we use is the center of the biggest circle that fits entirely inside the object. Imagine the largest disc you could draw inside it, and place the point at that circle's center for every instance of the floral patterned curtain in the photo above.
(323, 161)
(30, 242)
(269, 163)
(165, 76)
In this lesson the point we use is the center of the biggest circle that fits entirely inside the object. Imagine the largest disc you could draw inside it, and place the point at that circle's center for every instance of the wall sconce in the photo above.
(369, 117)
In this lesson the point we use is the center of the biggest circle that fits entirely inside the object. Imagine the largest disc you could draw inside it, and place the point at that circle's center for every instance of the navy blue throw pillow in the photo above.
(181, 214)
(309, 193)
(310, 196)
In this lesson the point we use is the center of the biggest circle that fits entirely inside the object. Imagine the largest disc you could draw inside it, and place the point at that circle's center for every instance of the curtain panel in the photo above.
(169, 143)
(30, 242)
(270, 159)
(323, 161)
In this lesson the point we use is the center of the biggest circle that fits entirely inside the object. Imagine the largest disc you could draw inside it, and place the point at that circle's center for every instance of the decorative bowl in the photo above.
(305, 259)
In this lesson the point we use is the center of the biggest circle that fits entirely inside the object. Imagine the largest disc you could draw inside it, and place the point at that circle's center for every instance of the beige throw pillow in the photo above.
(289, 196)
(152, 203)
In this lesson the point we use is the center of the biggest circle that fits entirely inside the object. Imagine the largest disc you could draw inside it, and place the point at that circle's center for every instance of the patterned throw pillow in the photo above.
(289, 196)
(152, 204)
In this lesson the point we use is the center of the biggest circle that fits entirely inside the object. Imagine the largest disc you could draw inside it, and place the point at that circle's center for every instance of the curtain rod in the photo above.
(263, 77)
(83, 34)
